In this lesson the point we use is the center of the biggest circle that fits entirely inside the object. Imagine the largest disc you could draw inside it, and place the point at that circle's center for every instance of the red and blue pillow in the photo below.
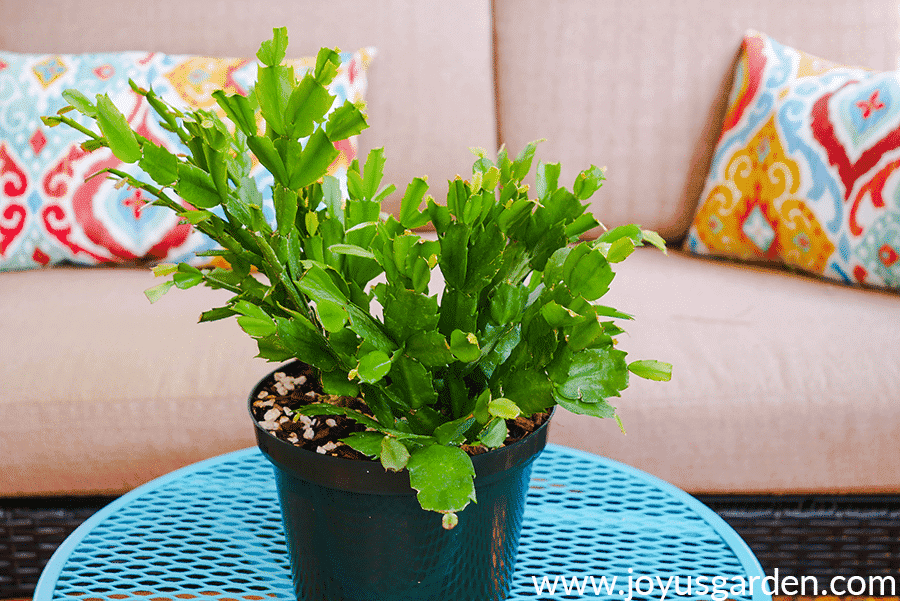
(50, 214)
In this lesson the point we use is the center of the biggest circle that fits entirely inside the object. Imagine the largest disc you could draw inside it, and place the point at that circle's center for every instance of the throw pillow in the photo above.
(50, 214)
(806, 172)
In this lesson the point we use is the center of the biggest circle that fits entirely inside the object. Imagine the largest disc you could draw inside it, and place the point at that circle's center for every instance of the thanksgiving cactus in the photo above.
(515, 327)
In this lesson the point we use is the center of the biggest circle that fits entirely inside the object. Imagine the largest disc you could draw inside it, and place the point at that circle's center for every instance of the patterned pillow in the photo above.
(49, 213)
(806, 172)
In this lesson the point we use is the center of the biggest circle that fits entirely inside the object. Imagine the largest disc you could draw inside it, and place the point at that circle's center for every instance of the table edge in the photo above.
(50, 575)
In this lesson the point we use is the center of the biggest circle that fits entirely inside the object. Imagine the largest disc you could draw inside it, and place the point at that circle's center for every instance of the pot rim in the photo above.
(369, 476)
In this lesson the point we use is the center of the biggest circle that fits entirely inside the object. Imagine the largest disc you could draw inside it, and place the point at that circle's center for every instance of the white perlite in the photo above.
(328, 446)
(285, 383)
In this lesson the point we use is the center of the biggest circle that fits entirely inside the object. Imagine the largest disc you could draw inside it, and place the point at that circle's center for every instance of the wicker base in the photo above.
(30, 531)
(820, 536)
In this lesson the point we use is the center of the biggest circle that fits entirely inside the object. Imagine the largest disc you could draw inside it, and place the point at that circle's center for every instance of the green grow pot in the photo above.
(355, 532)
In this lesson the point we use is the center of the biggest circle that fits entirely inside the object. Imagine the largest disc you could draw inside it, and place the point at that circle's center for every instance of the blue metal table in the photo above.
(593, 528)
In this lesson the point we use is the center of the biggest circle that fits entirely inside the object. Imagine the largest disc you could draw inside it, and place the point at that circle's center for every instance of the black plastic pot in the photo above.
(355, 532)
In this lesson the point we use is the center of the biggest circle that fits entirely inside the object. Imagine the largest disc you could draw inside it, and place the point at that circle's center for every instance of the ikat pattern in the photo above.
(50, 212)
(806, 172)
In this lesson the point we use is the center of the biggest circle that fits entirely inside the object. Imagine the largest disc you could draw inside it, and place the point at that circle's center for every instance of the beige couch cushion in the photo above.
(752, 407)
(430, 87)
(639, 87)
(103, 391)
(781, 383)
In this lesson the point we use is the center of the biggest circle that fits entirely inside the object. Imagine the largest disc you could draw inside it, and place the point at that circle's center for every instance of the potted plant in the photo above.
(442, 398)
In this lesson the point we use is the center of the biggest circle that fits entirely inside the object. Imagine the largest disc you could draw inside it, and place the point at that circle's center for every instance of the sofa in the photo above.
(783, 382)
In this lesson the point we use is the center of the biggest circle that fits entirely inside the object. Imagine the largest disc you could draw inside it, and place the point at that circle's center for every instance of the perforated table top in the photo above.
(593, 528)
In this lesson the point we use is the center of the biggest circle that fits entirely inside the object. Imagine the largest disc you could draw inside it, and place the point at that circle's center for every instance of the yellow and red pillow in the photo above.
(806, 171)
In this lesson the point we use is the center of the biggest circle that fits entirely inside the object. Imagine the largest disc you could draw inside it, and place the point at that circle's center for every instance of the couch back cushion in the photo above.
(640, 88)
(430, 88)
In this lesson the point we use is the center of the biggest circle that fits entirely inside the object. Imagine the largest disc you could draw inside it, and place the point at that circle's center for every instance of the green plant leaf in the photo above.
(547, 179)
(245, 307)
(619, 250)
(299, 335)
(307, 106)
(239, 110)
(264, 149)
(271, 348)
(336, 383)
(327, 63)
(346, 121)
(351, 249)
(256, 327)
(394, 454)
(407, 312)
(600, 410)
(530, 389)
(331, 194)
(360, 418)
(367, 443)
(216, 314)
(196, 187)
(195, 217)
(588, 182)
(457, 196)
(374, 172)
(444, 477)
(155, 293)
(115, 128)
(384, 193)
(159, 163)
(558, 316)
(587, 273)
(410, 216)
(80, 102)
(367, 329)
(164, 269)
(286, 205)
(355, 185)
(464, 346)
(320, 287)
(412, 382)
(522, 165)
(429, 348)
(491, 179)
(332, 315)
(503, 408)
(272, 52)
(651, 369)
(586, 334)
(316, 157)
(654, 239)
(373, 367)
(581, 225)
(454, 254)
(630, 231)
(453, 432)
(187, 276)
(592, 375)
(494, 433)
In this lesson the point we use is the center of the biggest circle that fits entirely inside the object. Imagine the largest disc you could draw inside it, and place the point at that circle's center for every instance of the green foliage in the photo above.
(515, 330)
